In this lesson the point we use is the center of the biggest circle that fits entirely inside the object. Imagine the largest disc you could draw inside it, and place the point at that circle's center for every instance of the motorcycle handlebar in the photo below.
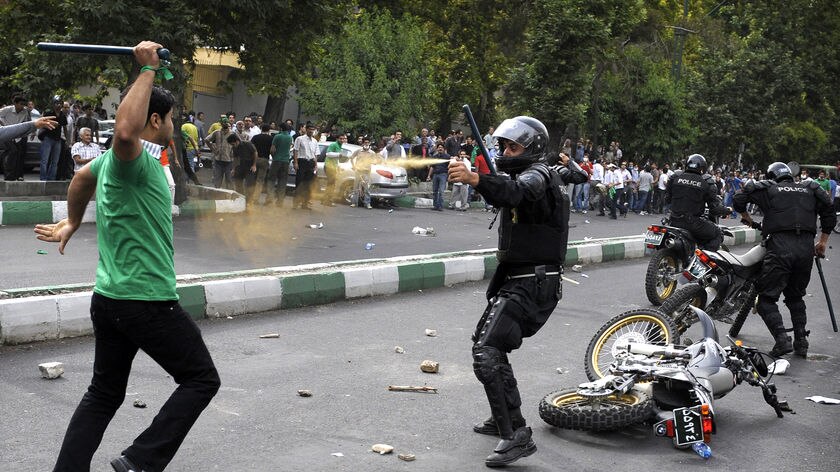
(656, 350)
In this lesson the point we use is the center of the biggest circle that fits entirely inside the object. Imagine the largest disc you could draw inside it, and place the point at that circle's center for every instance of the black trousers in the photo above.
(13, 154)
(786, 270)
(304, 179)
(165, 332)
(706, 233)
(278, 173)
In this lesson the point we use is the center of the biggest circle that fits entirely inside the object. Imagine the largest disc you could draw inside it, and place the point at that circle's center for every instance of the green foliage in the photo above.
(375, 78)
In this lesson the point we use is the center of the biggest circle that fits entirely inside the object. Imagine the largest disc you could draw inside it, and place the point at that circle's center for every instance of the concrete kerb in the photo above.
(45, 313)
(206, 200)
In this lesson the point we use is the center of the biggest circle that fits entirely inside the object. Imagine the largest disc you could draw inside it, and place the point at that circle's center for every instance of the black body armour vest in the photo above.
(687, 192)
(793, 206)
(537, 232)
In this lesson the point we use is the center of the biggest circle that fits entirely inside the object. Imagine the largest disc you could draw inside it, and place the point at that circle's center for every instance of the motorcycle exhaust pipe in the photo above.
(668, 351)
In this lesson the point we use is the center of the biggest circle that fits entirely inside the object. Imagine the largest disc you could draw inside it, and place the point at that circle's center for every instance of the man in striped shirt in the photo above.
(84, 150)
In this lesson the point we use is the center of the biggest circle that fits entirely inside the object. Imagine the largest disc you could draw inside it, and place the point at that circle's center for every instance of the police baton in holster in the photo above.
(827, 297)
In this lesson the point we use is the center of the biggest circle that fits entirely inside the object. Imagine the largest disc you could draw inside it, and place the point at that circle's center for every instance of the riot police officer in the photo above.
(688, 193)
(526, 286)
(788, 230)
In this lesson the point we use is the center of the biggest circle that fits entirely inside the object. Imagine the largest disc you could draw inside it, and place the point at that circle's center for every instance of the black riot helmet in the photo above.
(529, 133)
(695, 163)
(779, 171)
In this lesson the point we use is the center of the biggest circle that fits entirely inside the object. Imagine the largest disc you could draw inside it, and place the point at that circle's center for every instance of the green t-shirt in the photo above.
(134, 229)
(335, 146)
(282, 142)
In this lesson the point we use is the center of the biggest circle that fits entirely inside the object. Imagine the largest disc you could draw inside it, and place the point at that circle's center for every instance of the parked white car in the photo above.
(387, 180)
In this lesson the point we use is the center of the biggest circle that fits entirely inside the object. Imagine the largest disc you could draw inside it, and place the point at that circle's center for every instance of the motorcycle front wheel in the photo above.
(661, 275)
(647, 325)
(744, 305)
(568, 410)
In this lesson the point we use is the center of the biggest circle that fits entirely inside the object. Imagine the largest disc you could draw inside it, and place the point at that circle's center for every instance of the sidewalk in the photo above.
(35, 314)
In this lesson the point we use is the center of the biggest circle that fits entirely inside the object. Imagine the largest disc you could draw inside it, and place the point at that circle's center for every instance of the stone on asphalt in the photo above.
(398, 350)
(430, 367)
(139, 404)
(51, 370)
(431, 332)
(305, 393)
(382, 448)
(406, 457)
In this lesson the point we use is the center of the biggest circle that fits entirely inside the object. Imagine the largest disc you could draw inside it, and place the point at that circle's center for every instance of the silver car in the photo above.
(387, 180)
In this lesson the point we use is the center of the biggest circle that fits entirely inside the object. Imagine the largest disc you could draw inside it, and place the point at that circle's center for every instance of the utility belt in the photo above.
(540, 271)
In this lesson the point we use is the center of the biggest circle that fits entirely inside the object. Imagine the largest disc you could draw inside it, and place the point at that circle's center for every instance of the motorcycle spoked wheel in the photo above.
(647, 325)
(664, 264)
(568, 410)
(676, 307)
(748, 302)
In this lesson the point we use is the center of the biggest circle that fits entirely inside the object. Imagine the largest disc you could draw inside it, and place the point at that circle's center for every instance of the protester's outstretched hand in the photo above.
(60, 233)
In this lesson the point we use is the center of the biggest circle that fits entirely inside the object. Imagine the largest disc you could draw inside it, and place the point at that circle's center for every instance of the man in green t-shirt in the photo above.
(278, 173)
(331, 169)
(134, 304)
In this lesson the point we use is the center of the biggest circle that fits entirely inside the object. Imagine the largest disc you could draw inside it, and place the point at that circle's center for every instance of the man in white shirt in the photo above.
(663, 184)
(84, 150)
(597, 186)
(305, 162)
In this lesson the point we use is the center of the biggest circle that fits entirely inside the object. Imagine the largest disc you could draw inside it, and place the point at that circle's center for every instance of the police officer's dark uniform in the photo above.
(688, 193)
(788, 230)
(526, 286)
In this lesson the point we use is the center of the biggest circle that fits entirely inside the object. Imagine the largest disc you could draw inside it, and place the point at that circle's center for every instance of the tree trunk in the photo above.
(274, 109)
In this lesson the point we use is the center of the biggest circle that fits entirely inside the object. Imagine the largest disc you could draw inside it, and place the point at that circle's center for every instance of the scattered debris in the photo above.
(51, 370)
(406, 457)
(390, 210)
(305, 393)
(41, 251)
(369, 246)
(337, 454)
(577, 268)
(409, 388)
(560, 370)
(586, 221)
(430, 367)
(587, 238)
(221, 219)
(424, 231)
(382, 448)
(584, 276)
(566, 279)
(269, 335)
(139, 404)
(229, 317)
(399, 350)
(318, 226)
(431, 332)
(778, 367)
(825, 400)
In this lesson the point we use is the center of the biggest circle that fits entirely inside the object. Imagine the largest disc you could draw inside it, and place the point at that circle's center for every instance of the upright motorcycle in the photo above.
(722, 283)
(671, 250)
(672, 386)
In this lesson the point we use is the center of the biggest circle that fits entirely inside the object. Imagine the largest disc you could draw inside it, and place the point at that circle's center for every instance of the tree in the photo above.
(375, 77)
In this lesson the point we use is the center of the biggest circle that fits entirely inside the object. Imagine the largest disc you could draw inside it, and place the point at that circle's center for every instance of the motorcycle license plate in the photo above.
(698, 269)
(654, 238)
(688, 426)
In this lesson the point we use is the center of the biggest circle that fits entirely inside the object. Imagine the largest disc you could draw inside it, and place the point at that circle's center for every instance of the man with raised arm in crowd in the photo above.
(134, 304)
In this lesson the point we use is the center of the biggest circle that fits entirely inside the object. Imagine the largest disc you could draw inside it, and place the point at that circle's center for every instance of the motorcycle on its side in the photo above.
(671, 250)
(674, 387)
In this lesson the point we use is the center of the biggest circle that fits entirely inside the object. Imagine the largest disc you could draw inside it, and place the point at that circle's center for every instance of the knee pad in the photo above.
(766, 305)
(487, 363)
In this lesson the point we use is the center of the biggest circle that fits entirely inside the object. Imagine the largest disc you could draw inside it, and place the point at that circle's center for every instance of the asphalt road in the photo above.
(270, 237)
(344, 353)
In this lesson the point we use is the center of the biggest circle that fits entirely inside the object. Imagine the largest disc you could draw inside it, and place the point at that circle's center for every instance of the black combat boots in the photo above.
(511, 449)
(490, 428)
(782, 346)
(800, 342)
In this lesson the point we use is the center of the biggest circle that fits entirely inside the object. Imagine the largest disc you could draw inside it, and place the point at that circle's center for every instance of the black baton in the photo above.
(825, 290)
(477, 135)
(163, 53)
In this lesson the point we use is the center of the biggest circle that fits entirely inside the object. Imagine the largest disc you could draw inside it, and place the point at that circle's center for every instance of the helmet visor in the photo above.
(516, 131)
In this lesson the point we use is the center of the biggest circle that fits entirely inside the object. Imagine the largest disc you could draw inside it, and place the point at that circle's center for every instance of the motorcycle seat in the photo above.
(751, 258)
